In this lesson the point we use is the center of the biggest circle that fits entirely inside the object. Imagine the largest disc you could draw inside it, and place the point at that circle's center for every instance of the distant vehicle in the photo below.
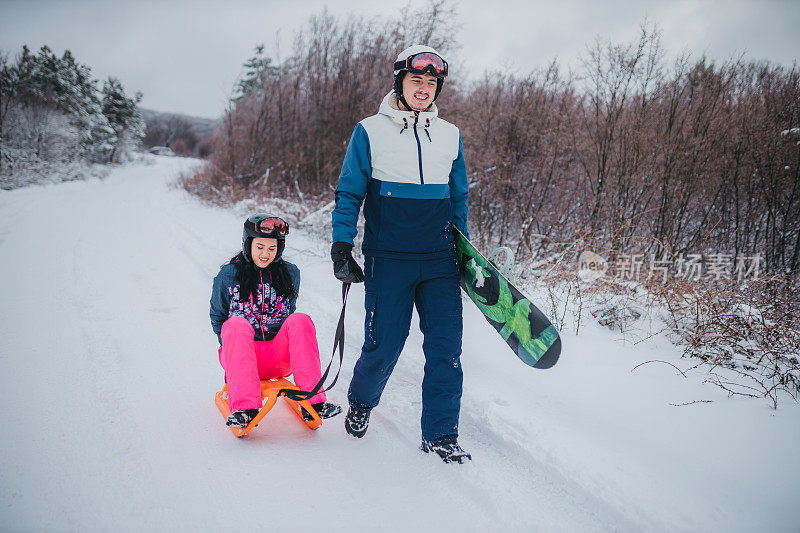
(161, 150)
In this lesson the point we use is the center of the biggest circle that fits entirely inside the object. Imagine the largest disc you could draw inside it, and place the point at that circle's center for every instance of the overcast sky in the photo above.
(186, 55)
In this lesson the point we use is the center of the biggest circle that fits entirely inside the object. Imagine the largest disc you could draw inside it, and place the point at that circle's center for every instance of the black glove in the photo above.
(345, 267)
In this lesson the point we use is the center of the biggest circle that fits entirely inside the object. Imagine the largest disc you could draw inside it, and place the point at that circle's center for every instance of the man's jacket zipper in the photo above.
(419, 148)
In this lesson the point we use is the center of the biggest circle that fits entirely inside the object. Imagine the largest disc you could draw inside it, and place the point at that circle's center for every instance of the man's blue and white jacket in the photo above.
(409, 171)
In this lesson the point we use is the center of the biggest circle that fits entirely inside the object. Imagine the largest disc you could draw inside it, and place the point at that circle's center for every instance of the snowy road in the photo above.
(109, 368)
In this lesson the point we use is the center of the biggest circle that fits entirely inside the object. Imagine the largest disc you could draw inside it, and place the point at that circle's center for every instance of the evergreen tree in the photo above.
(6, 85)
(21, 86)
(123, 117)
(257, 70)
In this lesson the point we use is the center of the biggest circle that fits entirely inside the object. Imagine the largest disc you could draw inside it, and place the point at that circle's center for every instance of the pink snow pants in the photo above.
(246, 361)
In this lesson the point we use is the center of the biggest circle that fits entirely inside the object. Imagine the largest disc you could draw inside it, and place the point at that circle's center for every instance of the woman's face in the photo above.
(263, 251)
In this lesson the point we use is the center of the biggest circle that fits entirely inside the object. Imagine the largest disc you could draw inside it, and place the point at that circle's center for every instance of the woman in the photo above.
(260, 334)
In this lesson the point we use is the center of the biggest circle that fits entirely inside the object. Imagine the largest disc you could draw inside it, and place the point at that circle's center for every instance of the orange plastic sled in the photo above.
(270, 390)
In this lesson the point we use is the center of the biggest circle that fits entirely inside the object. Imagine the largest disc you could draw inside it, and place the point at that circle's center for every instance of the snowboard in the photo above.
(521, 324)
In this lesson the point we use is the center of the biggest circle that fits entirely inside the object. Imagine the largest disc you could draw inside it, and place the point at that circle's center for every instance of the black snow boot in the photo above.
(240, 419)
(449, 451)
(323, 409)
(356, 421)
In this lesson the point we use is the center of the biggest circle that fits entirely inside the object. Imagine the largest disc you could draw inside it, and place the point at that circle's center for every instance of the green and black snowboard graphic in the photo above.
(521, 324)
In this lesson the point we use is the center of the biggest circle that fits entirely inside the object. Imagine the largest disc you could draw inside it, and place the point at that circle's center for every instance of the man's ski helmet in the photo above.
(264, 225)
(419, 58)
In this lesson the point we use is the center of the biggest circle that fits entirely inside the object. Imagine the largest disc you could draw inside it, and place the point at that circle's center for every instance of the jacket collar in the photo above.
(390, 108)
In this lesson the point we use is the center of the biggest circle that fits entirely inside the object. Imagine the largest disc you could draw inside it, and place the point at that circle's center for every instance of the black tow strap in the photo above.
(338, 341)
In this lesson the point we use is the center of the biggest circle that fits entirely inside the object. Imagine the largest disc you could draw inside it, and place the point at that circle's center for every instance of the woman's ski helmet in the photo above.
(264, 225)
(419, 58)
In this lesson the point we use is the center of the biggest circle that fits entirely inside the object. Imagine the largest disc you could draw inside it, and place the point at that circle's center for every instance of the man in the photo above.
(407, 166)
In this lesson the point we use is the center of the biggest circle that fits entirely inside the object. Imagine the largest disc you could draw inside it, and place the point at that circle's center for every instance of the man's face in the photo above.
(419, 90)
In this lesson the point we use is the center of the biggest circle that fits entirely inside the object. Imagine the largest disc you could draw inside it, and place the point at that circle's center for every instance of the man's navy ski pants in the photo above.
(393, 287)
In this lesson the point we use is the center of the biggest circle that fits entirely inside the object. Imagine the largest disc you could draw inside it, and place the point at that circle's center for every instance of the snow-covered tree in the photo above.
(124, 117)
(54, 120)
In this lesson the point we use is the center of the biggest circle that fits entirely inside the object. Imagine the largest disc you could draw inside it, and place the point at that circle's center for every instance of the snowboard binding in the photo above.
(271, 390)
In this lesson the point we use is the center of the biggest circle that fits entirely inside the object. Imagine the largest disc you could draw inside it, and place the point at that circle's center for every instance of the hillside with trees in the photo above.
(186, 135)
(56, 120)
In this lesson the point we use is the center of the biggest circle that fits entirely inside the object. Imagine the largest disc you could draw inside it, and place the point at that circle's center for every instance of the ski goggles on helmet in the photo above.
(424, 62)
(269, 226)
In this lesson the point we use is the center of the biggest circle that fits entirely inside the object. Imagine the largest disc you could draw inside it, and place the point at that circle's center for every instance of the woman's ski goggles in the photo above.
(271, 226)
(424, 62)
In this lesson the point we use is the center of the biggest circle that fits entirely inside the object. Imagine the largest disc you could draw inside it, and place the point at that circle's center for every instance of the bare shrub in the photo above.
(743, 333)
(748, 334)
